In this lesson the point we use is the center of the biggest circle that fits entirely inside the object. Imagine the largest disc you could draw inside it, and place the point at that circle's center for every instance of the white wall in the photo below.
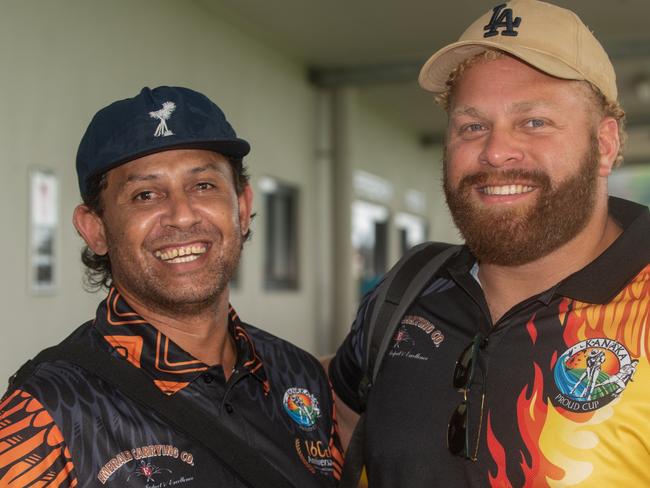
(60, 61)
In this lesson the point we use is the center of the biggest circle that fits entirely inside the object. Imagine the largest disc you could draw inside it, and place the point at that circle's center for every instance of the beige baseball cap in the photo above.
(550, 38)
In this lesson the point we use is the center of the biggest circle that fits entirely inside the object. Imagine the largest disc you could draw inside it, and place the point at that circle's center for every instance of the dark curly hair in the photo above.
(98, 274)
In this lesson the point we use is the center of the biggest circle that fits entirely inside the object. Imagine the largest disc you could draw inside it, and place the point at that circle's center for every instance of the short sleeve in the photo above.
(32, 449)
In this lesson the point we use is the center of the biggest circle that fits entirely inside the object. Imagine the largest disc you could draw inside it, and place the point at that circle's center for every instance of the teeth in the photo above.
(506, 189)
(184, 259)
(181, 254)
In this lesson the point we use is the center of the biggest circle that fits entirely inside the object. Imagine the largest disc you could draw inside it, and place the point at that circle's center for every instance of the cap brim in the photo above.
(235, 148)
(435, 72)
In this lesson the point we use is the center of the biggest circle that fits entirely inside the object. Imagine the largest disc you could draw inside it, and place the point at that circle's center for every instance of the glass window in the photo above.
(370, 244)
(412, 230)
(281, 244)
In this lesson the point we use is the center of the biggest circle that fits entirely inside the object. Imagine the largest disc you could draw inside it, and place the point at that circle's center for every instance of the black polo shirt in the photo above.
(66, 427)
(561, 393)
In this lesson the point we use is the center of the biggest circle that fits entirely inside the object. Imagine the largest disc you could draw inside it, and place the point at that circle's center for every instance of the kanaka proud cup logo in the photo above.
(592, 373)
(302, 407)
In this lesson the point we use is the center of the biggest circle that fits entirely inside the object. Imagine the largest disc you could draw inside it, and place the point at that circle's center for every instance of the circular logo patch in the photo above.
(301, 406)
(591, 374)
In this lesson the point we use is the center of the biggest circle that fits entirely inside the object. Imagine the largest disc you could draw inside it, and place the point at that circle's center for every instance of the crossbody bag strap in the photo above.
(244, 461)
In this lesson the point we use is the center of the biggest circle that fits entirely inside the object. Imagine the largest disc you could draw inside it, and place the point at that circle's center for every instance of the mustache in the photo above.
(536, 177)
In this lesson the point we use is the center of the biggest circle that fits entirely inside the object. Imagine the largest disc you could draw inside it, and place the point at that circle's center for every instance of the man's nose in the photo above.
(501, 148)
(180, 212)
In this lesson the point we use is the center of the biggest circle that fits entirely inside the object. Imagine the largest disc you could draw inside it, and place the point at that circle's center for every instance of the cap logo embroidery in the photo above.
(163, 115)
(502, 19)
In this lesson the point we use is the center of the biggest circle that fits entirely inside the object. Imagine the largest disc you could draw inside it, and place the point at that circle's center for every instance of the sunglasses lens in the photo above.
(456, 433)
(463, 368)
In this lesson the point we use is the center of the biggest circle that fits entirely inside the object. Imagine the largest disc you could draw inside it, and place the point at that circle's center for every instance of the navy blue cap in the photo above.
(153, 121)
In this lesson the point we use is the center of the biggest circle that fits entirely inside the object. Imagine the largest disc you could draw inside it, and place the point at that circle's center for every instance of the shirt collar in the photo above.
(170, 367)
(603, 278)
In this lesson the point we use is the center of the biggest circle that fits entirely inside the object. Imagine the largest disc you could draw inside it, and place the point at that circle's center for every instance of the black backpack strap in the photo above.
(244, 461)
(395, 294)
(401, 287)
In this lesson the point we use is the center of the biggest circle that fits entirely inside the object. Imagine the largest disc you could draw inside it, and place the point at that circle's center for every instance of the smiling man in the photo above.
(166, 210)
(528, 361)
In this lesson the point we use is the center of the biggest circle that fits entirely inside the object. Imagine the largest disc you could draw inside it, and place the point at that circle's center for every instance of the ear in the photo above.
(608, 145)
(245, 208)
(91, 228)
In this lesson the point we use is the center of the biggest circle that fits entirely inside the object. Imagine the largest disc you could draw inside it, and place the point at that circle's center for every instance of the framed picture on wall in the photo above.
(43, 230)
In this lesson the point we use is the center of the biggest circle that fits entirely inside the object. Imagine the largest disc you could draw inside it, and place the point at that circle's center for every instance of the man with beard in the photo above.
(552, 273)
(166, 209)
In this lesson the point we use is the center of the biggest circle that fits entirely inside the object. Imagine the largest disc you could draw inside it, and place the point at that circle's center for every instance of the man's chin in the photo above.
(502, 235)
(190, 301)
(497, 221)
(171, 296)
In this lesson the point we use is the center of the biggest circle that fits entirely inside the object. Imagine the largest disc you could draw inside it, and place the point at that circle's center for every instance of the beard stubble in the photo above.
(153, 291)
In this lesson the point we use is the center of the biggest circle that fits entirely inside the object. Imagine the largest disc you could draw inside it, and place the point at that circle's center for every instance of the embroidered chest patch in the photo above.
(592, 373)
(415, 339)
(302, 407)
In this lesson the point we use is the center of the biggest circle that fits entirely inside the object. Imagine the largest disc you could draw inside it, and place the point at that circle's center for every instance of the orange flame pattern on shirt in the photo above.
(624, 319)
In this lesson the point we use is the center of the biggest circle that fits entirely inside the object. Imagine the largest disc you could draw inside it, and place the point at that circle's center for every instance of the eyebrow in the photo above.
(530, 105)
(206, 167)
(471, 111)
(139, 177)
(518, 107)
